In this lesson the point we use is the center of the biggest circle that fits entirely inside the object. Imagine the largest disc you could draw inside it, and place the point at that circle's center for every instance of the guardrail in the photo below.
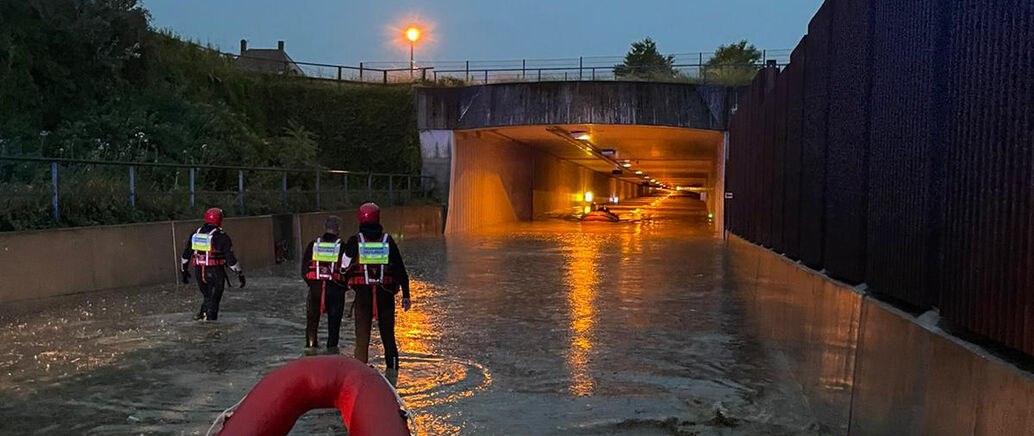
(690, 67)
(173, 190)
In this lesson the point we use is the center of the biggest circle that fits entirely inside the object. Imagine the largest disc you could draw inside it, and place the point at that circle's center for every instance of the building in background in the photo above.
(267, 60)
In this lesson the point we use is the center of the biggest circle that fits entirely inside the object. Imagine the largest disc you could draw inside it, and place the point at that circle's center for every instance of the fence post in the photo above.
(466, 71)
(486, 76)
(339, 73)
(423, 74)
(319, 204)
(391, 190)
(132, 188)
(540, 74)
(192, 189)
(524, 69)
(593, 73)
(764, 57)
(240, 189)
(283, 189)
(579, 68)
(360, 71)
(435, 74)
(53, 187)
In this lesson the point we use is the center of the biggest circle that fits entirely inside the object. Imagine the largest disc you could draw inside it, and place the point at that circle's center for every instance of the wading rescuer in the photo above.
(376, 273)
(322, 268)
(210, 250)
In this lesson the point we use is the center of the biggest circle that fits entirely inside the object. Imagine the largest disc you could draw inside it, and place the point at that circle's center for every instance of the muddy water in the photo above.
(552, 327)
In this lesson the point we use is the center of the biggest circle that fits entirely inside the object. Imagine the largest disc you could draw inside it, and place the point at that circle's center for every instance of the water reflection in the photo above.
(581, 252)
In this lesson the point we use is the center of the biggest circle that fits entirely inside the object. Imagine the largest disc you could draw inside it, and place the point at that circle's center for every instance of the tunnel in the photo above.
(507, 153)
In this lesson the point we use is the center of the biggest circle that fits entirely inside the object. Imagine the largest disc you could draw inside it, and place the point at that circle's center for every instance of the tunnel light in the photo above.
(626, 164)
(581, 136)
(638, 173)
(614, 200)
(586, 209)
(588, 196)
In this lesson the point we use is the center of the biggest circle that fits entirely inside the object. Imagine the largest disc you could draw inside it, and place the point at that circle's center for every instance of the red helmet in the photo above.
(369, 213)
(214, 216)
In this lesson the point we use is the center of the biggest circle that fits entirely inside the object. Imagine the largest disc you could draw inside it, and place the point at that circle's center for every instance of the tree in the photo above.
(734, 64)
(643, 61)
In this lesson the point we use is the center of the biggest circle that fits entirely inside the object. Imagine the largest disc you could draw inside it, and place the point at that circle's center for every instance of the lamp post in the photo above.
(412, 34)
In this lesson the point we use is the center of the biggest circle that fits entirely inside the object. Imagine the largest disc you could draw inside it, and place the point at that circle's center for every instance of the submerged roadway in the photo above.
(544, 327)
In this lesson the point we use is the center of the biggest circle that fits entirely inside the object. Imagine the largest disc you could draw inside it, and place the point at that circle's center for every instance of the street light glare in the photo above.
(412, 34)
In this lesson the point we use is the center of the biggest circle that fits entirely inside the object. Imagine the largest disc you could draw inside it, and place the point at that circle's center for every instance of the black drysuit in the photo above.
(212, 279)
(385, 297)
(327, 293)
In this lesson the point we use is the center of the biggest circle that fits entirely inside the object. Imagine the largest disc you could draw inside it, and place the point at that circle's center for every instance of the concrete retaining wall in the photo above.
(49, 263)
(870, 369)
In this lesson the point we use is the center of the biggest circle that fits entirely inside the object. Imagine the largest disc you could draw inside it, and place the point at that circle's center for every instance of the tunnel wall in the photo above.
(869, 369)
(916, 166)
(496, 180)
(50, 263)
(571, 102)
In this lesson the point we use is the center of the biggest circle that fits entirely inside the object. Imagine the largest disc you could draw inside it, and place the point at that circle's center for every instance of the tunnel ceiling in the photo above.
(676, 156)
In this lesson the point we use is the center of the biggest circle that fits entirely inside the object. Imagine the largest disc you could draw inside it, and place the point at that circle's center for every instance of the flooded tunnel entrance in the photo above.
(511, 174)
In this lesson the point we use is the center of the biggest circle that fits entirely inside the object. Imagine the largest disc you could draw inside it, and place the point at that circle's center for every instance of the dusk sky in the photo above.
(347, 32)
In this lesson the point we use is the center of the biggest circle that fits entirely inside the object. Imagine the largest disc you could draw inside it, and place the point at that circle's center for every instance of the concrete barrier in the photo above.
(868, 368)
(49, 263)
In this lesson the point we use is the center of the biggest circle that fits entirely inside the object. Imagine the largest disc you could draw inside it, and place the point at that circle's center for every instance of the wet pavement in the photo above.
(551, 327)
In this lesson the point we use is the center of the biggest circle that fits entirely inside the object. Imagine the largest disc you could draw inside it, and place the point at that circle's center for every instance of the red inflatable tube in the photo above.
(367, 403)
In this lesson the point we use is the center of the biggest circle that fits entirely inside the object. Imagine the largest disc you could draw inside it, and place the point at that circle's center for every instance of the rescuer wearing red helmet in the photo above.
(323, 267)
(376, 273)
(210, 249)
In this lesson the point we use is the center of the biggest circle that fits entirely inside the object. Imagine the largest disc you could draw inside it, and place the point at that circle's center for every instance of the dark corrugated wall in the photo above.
(847, 141)
(813, 139)
(897, 149)
(794, 74)
(989, 237)
(907, 134)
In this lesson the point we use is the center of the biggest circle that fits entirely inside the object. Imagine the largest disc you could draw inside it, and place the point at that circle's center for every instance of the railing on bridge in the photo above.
(685, 67)
(90, 192)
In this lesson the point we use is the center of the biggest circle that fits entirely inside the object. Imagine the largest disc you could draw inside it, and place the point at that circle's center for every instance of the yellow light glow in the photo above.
(586, 209)
(638, 173)
(626, 165)
(588, 196)
(583, 137)
(412, 34)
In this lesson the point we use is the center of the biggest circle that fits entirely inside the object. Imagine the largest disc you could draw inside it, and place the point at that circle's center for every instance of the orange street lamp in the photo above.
(412, 34)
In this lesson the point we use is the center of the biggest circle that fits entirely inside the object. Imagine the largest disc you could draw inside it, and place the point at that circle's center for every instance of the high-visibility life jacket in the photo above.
(205, 253)
(327, 261)
(371, 265)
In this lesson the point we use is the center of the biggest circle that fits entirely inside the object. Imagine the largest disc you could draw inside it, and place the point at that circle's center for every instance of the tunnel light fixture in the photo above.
(614, 200)
(637, 172)
(581, 136)
(626, 164)
(609, 152)
(588, 196)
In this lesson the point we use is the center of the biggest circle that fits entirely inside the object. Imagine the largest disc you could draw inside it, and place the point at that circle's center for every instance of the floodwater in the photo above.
(550, 327)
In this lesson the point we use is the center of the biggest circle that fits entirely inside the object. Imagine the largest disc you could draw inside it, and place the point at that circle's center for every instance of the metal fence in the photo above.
(80, 192)
(913, 174)
(692, 67)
